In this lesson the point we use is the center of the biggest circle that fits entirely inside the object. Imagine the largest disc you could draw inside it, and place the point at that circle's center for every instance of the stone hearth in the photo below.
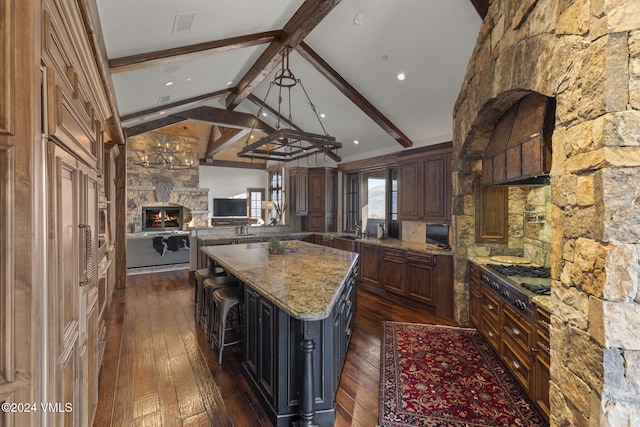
(162, 187)
(586, 54)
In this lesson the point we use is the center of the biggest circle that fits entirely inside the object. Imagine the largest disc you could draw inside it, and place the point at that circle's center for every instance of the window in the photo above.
(276, 196)
(372, 199)
(352, 201)
(256, 196)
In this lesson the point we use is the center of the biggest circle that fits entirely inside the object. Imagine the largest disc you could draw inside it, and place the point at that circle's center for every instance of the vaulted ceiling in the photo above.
(204, 68)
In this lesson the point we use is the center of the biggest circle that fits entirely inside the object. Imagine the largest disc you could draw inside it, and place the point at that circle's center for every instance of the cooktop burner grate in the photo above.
(536, 289)
(521, 270)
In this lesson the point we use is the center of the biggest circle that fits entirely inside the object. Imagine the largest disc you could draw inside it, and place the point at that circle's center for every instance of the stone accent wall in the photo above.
(160, 187)
(586, 54)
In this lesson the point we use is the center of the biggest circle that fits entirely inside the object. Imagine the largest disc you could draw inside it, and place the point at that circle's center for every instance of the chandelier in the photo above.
(287, 144)
(167, 152)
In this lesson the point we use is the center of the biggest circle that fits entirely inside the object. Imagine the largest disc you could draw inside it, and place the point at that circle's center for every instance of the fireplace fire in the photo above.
(160, 218)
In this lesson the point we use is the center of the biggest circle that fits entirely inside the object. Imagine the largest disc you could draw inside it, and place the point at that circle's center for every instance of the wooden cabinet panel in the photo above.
(393, 266)
(424, 188)
(370, 258)
(419, 276)
(491, 204)
(344, 244)
(321, 200)
(299, 190)
(437, 188)
(409, 180)
(542, 362)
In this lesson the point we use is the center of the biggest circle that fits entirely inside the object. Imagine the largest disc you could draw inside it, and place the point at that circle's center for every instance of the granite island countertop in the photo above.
(305, 282)
(385, 242)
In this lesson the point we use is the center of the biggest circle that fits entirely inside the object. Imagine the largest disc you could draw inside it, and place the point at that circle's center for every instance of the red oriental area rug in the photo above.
(447, 376)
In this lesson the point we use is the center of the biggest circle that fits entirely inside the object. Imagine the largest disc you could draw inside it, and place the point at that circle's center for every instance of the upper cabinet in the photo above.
(314, 195)
(424, 187)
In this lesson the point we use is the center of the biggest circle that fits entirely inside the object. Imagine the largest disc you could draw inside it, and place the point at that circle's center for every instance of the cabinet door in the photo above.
(344, 244)
(419, 277)
(370, 264)
(260, 342)
(316, 197)
(393, 270)
(436, 174)
(300, 191)
(491, 204)
(409, 181)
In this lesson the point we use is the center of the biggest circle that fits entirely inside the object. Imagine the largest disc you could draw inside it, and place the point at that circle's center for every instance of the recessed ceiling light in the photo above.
(229, 83)
(323, 115)
(168, 83)
(355, 141)
(401, 76)
(188, 79)
(162, 112)
(264, 114)
(358, 19)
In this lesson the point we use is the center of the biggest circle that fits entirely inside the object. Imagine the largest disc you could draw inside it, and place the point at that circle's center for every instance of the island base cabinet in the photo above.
(280, 348)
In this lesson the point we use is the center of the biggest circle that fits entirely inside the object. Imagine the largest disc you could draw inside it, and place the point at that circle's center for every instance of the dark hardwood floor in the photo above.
(158, 368)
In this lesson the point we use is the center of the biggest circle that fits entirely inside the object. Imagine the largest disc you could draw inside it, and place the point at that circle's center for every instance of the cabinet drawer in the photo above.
(519, 364)
(517, 329)
(491, 331)
(416, 258)
(393, 255)
(491, 307)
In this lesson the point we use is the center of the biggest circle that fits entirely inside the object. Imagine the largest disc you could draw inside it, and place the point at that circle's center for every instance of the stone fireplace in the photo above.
(585, 54)
(151, 187)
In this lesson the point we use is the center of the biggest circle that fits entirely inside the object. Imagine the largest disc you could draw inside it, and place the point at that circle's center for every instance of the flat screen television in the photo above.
(438, 234)
(229, 207)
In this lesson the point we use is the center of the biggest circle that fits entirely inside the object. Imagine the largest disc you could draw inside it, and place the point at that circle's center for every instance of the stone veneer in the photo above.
(586, 54)
(160, 187)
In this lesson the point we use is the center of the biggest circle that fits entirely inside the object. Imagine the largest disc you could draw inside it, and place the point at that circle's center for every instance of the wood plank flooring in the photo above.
(159, 370)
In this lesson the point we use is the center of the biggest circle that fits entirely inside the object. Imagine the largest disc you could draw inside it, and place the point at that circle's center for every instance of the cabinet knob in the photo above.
(490, 307)
(515, 365)
(491, 335)
(516, 332)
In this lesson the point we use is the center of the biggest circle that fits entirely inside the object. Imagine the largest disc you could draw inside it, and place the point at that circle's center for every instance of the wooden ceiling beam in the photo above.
(306, 18)
(205, 114)
(132, 62)
(227, 138)
(232, 164)
(350, 92)
(184, 102)
(481, 6)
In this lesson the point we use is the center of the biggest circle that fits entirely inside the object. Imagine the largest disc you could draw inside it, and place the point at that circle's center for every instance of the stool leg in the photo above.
(221, 329)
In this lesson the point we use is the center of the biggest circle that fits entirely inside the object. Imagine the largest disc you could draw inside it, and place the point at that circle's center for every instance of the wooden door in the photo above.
(64, 291)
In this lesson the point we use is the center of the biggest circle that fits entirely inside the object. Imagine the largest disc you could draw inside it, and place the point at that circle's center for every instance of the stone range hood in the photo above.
(519, 150)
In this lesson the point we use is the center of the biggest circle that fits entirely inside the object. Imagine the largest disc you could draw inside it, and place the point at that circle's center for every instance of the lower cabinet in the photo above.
(426, 278)
(370, 258)
(542, 362)
(522, 345)
(273, 357)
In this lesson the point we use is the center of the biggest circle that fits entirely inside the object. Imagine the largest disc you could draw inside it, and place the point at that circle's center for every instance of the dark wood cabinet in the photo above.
(522, 344)
(491, 204)
(393, 266)
(419, 275)
(344, 244)
(370, 257)
(321, 198)
(299, 192)
(542, 362)
(424, 188)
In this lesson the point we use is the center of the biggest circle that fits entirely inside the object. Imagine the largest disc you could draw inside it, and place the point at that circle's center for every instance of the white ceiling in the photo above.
(429, 40)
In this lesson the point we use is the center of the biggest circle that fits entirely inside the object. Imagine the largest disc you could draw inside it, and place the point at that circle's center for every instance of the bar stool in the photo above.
(209, 285)
(226, 299)
(204, 273)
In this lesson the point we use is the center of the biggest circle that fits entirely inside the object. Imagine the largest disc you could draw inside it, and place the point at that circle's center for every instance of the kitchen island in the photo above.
(299, 313)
